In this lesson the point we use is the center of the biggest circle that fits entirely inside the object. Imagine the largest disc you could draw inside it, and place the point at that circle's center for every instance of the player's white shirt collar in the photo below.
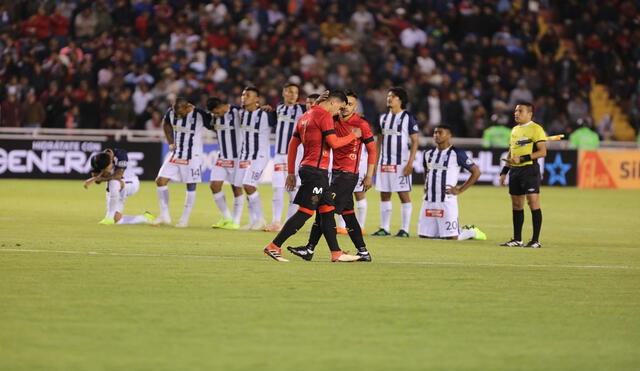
(438, 149)
(523, 125)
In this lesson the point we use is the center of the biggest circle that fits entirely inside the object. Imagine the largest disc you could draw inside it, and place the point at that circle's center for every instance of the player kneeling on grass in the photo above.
(439, 212)
(110, 166)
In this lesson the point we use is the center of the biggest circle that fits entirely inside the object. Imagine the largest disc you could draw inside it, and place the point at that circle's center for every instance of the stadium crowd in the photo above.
(118, 63)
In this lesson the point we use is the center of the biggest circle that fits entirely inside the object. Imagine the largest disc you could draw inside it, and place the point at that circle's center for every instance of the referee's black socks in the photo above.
(518, 220)
(536, 217)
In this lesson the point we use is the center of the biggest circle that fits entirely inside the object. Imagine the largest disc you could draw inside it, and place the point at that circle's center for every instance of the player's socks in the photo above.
(536, 216)
(315, 234)
(355, 233)
(292, 207)
(328, 226)
(113, 198)
(406, 216)
(466, 234)
(133, 219)
(386, 208)
(189, 200)
(238, 203)
(255, 207)
(361, 212)
(292, 226)
(163, 197)
(518, 220)
(221, 201)
(277, 204)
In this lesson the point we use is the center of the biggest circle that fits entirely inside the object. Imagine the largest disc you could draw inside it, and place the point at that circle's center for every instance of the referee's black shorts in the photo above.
(341, 189)
(524, 180)
(314, 190)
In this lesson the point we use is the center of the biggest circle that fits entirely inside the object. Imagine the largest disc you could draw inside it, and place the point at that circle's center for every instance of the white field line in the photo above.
(210, 257)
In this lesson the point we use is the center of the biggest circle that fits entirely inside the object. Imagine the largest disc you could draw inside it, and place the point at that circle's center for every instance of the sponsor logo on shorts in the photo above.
(245, 164)
(531, 190)
(225, 163)
(179, 161)
(434, 213)
(317, 190)
(388, 168)
(280, 167)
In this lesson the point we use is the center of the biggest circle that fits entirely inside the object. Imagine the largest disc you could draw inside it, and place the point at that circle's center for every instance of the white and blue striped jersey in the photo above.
(396, 129)
(442, 169)
(255, 131)
(187, 132)
(120, 162)
(227, 128)
(287, 117)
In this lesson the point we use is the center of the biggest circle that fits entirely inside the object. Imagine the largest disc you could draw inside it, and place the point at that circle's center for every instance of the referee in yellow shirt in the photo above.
(526, 145)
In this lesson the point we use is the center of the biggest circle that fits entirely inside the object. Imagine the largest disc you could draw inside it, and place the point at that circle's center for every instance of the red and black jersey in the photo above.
(347, 158)
(311, 129)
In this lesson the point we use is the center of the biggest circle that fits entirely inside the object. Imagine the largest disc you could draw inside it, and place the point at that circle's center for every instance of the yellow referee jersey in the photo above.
(522, 139)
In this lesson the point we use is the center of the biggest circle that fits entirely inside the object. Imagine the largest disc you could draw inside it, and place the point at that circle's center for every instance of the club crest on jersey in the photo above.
(352, 156)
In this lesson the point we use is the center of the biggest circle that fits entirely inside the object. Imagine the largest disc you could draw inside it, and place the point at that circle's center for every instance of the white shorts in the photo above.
(249, 172)
(439, 219)
(224, 171)
(389, 178)
(182, 171)
(131, 187)
(279, 176)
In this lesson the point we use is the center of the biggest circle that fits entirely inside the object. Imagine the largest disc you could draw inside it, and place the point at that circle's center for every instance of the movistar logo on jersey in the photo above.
(183, 129)
(391, 132)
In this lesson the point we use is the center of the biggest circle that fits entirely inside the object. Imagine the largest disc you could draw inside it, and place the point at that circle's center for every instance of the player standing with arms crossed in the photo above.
(226, 124)
(287, 115)
(316, 132)
(345, 177)
(439, 212)
(183, 125)
(526, 145)
(396, 148)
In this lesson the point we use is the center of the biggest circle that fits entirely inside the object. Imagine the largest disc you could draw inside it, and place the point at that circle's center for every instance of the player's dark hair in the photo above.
(253, 89)
(181, 101)
(445, 127)
(290, 84)
(402, 94)
(350, 93)
(99, 162)
(313, 96)
(526, 104)
(213, 103)
(338, 94)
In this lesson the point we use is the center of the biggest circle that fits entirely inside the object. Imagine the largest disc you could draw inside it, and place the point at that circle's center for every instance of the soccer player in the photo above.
(396, 148)
(287, 115)
(527, 145)
(110, 166)
(183, 125)
(316, 132)
(345, 177)
(254, 125)
(311, 101)
(439, 212)
(226, 124)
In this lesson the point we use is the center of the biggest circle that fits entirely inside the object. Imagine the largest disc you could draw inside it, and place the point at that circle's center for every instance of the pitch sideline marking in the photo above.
(210, 257)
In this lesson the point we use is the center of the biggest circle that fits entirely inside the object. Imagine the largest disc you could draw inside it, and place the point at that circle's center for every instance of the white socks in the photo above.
(406, 216)
(293, 208)
(163, 196)
(221, 201)
(189, 200)
(361, 212)
(386, 208)
(132, 219)
(466, 234)
(255, 208)
(113, 199)
(278, 204)
(238, 203)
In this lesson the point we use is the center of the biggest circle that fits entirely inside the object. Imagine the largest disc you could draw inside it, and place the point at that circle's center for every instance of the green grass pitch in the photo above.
(78, 296)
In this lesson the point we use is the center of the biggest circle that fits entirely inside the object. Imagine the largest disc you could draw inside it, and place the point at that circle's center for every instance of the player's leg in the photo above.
(517, 191)
(130, 188)
(238, 204)
(533, 199)
(306, 251)
(341, 226)
(386, 210)
(277, 182)
(328, 226)
(168, 171)
(355, 233)
(189, 201)
(429, 221)
(112, 200)
(361, 209)
(250, 184)
(406, 210)
(218, 175)
(191, 175)
(292, 207)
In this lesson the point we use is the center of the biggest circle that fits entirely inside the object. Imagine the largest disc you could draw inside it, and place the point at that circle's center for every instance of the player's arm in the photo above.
(505, 168)
(475, 174)
(329, 133)
(408, 170)
(290, 182)
(370, 145)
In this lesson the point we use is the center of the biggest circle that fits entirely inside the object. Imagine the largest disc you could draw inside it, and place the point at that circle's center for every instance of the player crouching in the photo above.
(110, 166)
(439, 212)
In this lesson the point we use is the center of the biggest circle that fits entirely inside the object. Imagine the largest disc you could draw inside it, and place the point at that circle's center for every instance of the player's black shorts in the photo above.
(341, 189)
(313, 191)
(524, 180)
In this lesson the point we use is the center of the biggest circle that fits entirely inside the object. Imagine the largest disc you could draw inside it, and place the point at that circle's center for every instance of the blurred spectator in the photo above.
(577, 109)
(85, 24)
(605, 127)
(10, 112)
(33, 113)
(121, 110)
(584, 137)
